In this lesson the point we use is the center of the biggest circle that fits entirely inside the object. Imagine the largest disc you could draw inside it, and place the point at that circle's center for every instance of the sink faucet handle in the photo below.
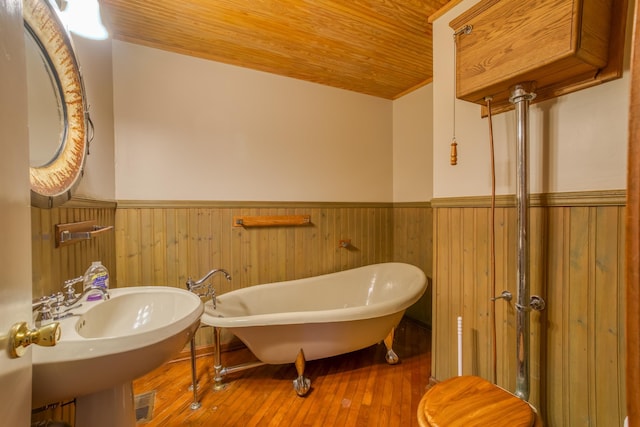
(56, 298)
(42, 310)
(70, 289)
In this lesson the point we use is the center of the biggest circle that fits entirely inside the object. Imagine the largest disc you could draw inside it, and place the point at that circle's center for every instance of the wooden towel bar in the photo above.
(270, 220)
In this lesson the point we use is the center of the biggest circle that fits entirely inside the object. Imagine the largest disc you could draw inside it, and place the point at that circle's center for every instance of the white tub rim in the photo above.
(399, 303)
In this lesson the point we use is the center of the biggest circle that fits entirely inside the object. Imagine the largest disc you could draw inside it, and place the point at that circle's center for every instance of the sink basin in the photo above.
(107, 344)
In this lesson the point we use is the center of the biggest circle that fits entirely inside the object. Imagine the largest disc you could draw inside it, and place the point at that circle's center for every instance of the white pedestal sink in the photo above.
(107, 344)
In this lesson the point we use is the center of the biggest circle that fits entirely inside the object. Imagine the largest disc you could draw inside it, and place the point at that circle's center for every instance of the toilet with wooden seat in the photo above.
(473, 401)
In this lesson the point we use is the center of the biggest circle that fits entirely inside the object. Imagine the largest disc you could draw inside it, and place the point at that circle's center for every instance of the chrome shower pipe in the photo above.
(219, 370)
(521, 98)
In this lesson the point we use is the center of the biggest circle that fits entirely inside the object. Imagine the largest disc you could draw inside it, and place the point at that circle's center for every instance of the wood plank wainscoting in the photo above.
(577, 266)
(162, 242)
(51, 266)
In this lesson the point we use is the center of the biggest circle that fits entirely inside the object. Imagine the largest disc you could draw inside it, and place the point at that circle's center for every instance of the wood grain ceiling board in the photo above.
(376, 47)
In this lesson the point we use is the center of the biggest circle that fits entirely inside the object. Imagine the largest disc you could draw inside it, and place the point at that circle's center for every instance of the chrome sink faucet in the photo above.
(198, 288)
(70, 297)
(57, 305)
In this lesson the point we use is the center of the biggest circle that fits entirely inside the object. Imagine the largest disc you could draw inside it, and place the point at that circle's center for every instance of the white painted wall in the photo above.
(578, 141)
(94, 57)
(413, 146)
(191, 129)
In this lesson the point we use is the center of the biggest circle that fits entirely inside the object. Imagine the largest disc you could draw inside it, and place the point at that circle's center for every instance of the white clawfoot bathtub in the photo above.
(323, 316)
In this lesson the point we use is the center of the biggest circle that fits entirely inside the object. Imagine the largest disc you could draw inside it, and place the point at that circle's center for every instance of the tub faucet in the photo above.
(199, 289)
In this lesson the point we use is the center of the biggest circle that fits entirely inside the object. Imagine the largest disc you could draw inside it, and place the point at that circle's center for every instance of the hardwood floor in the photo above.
(355, 389)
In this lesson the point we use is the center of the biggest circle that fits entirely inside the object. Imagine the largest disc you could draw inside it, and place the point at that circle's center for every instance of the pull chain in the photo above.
(454, 144)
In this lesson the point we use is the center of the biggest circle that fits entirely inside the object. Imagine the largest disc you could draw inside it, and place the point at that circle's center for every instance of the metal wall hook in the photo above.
(535, 303)
(505, 295)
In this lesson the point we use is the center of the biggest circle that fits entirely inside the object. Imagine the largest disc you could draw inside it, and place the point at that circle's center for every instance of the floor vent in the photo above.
(144, 406)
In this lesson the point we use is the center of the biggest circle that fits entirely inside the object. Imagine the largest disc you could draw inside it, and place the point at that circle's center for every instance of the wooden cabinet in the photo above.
(559, 45)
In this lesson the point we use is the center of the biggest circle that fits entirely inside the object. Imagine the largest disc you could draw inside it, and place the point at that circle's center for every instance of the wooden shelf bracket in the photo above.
(66, 234)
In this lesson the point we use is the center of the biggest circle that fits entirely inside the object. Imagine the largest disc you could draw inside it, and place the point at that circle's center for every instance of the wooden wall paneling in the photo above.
(300, 269)
(39, 261)
(504, 311)
(607, 317)
(338, 253)
(426, 241)
(455, 289)
(445, 309)
(623, 283)
(158, 250)
(481, 289)
(556, 385)
(352, 230)
(165, 245)
(332, 239)
(223, 239)
(355, 224)
(355, 227)
(440, 281)
(51, 266)
(512, 261)
(127, 255)
(289, 249)
(277, 239)
(171, 270)
(370, 233)
(314, 247)
(343, 221)
(120, 246)
(407, 235)
(251, 248)
(383, 243)
(565, 318)
(375, 235)
(182, 245)
(229, 250)
(468, 300)
(260, 250)
(402, 234)
(145, 247)
(280, 237)
(59, 259)
(410, 229)
(383, 240)
(576, 345)
(128, 269)
(579, 291)
(485, 305)
(199, 251)
(364, 222)
(537, 274)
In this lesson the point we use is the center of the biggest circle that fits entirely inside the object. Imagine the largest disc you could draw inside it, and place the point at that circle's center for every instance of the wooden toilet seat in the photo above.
(473, 401)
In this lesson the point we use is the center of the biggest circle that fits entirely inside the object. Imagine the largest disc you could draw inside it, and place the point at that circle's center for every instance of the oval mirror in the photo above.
(58, 119)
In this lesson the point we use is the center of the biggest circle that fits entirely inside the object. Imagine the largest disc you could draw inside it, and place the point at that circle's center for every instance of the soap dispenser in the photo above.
(96, 276)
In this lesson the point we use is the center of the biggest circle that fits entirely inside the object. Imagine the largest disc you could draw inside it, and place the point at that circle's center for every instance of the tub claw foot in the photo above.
(391, 357)
(301, 384)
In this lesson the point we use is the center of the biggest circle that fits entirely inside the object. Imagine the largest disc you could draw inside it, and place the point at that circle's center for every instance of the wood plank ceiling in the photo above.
(376, 47)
